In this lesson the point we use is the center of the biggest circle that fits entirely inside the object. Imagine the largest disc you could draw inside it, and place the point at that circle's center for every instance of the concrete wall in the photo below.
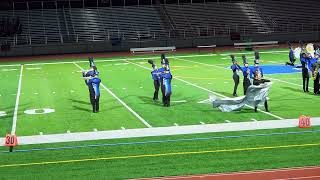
(107, 46)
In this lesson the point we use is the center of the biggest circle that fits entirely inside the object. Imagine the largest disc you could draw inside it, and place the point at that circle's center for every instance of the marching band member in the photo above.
(291, 55)
(305, 72)
(256, 66)
(257, 81)
(246, 74)
(156, 80)
(235, 69)
(93, 84)
(313, 63)
(311, 66)
(166, 78)
(92, 71)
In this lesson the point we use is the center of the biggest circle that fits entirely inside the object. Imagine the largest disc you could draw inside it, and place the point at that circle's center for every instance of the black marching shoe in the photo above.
(255, 109)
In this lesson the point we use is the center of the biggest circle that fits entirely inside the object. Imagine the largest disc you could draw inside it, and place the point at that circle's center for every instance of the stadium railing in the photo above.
(206, 47)
(256, 44)
(152, 49)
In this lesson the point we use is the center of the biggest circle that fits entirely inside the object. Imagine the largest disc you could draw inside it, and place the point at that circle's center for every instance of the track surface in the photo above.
(277, 174)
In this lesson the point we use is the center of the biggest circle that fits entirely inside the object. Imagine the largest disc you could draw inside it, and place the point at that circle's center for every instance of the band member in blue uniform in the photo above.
(92, 71)
(291, 55)
(255, 68)
(166, 78)
(257, 81)
(156, 80)
(235, 69)
(93, 84)
(312, 65)
(246, 74)
(305, 72)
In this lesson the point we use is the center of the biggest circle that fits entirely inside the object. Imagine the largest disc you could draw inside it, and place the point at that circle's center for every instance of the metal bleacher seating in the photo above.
(290, 15)
(214, 18)
(247, 17)
(90, 24)
(158, 21)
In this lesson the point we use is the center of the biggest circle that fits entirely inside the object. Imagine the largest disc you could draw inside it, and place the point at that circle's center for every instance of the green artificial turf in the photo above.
(60, 87)
(165, 165)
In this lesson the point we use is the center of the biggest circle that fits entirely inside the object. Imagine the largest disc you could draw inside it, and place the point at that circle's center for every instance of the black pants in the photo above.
(94, 100)
(236, 83)
(291, 63)
(265, 106)
(316, 85)
(165, 98)
(246, 84)
(305, 79)
(156, 84)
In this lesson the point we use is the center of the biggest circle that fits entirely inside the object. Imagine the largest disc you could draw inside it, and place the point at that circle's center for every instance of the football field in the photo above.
(47, 98)
(53, 98)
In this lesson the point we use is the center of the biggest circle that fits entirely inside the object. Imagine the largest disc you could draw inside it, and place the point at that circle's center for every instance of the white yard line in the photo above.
(132, 59)
(15, 114)
(218, 94)
(123, 103)
(162, 131)
(181, 101)
(35, 68)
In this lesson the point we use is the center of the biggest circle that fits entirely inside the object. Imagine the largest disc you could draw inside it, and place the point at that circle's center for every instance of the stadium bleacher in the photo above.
(158, 21)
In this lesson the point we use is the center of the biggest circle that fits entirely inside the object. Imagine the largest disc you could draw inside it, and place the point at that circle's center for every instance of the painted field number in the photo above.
(11, 140)
(304, 122)
(39, 111)
(2, 113)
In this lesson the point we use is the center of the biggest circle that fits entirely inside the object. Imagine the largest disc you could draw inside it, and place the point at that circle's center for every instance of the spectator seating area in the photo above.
(147, 22)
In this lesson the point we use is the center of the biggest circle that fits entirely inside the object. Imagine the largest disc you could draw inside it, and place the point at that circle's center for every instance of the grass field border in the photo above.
(163, 154)
(166, 141)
